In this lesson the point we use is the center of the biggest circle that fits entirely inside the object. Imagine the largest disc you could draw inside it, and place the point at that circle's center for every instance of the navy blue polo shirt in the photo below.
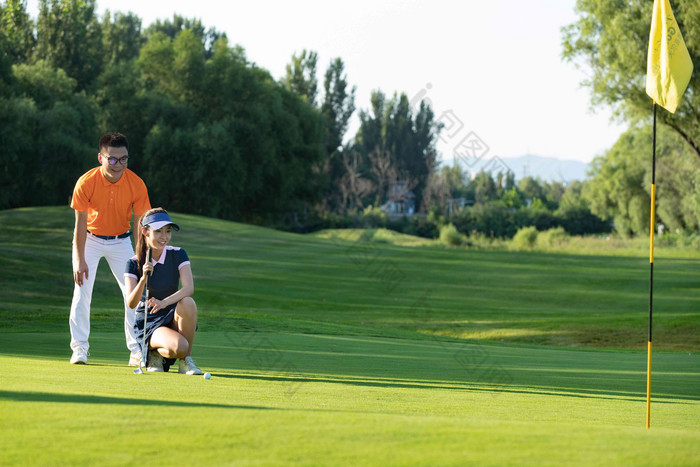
(165, 279)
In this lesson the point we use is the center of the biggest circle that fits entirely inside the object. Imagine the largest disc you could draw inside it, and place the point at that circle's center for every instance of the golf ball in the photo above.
(207, 375)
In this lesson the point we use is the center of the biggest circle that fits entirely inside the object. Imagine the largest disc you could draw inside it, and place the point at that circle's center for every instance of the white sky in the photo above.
(495, 64)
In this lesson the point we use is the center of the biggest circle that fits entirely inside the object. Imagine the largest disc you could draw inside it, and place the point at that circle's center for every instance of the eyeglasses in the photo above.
(113, 160)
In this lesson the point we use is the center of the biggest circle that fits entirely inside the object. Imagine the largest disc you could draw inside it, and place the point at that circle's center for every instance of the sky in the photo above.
(492, 70)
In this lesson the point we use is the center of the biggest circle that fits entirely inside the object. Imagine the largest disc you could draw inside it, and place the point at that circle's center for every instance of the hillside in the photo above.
(248, 277)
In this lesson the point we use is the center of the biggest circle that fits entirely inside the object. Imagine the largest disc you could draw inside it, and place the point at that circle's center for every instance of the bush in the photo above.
(450, 236)
(418, 226)
(494, 219)
(525, 238)
(580, 221)
(373, 217)
(680, 239)
(552, 237)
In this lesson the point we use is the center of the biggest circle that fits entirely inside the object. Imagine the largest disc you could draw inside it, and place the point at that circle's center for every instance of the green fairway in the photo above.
(248, 277)
(331, 352)
(318, 399)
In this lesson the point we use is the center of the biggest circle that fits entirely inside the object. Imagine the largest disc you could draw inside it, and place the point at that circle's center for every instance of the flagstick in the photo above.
(651, 267)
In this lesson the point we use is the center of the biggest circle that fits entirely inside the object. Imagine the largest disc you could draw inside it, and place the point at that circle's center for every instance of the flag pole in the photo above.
(651, 266)
(669, 69)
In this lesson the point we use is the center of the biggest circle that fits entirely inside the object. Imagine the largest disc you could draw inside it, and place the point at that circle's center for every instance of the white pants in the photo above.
(117, 252)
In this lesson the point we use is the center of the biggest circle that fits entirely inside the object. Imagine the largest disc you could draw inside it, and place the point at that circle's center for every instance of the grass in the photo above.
(666, 246)
(337, 352)
(278, 398)
(375, 236)
(249, 277)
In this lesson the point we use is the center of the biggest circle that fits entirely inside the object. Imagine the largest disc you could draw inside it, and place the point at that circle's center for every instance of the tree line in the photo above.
(214, 134)
(495, 206)
(609, 40)
(210, 132)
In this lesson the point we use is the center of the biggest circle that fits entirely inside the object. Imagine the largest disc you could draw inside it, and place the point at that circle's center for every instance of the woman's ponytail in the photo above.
(141, 238)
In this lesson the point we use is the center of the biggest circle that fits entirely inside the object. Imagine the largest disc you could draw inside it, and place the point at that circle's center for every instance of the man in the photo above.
(104, 199)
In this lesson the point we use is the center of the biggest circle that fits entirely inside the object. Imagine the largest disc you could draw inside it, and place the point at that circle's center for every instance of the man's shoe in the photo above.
(135, 358)
(80, 356)
(188, 367)
(155, 362)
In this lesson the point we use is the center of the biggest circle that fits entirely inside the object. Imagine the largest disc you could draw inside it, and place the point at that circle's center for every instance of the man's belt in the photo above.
(111, 237)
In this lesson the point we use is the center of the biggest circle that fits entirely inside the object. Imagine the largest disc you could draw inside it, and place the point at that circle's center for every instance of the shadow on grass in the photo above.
(396, 364)
(88, 399)
(543, 391)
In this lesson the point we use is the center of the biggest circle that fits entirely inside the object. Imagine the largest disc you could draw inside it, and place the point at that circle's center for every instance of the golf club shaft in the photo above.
(144, 350)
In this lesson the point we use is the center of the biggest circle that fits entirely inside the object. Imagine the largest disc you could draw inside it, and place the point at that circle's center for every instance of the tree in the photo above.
(69, 37)
(18, 118)
(512, 198)
(424, 157)
(391, 126)
(457, 182)
(572, 199)
(531, 188)
(261, 140)
(43, 84)
(575, 213)
(338, 104)
(301, 76)
(337, 108)
(446, 183)
(484, 188)
(369, 135)
(437, 191)
(619, 188)
(172, 28)
(121, 37)
(353, 185)
(18, 30)
(553, 192)
(155, 60)
(383, 172)
(43, 137)
(611, 39)
(188, 67)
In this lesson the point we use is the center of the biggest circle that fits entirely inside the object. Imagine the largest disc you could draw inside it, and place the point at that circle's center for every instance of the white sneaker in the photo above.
(188, 367)
(155, 362)
(135, 358)
(80, 356)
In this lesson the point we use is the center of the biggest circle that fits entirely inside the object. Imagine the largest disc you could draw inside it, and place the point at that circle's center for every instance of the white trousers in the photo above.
(117, 252)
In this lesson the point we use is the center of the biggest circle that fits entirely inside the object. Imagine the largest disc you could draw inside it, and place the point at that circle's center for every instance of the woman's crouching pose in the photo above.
(172, 313)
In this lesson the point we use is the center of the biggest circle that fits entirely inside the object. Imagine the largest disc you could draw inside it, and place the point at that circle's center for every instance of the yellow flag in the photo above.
(668, 63)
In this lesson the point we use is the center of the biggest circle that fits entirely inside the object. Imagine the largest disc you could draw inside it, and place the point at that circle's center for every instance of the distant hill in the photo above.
(546, 168)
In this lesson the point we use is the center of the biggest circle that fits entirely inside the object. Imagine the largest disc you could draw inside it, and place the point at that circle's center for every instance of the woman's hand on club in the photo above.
(147, 269)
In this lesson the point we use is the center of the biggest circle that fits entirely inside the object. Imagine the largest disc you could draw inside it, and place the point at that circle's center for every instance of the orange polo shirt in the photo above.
(109, 205)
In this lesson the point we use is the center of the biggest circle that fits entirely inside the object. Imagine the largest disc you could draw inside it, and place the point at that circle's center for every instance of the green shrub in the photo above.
(373, 217)
(679, 239)
(450, 236)
(525, 238)
(552, 237)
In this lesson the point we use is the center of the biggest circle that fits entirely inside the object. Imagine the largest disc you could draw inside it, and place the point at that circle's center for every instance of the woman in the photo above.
(172, 313)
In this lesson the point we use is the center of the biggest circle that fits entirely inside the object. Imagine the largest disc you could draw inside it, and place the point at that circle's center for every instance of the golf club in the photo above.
(144, 350)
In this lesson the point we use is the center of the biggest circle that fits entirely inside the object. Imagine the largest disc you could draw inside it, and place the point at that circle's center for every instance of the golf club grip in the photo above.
(148, 274)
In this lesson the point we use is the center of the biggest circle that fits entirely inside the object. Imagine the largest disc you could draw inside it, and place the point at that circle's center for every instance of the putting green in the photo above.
(336, 400)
